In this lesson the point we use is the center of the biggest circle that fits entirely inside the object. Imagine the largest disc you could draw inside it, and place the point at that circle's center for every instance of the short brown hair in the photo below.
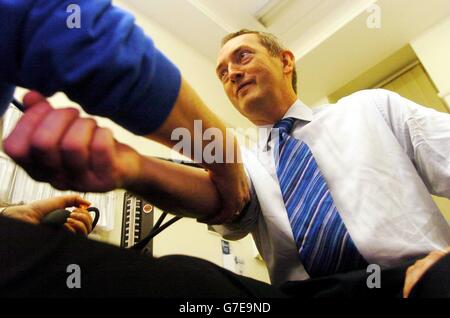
(270, 42)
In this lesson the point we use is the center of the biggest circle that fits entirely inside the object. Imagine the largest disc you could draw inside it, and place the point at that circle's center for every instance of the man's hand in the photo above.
(234, 194)
(79, 221)
(415, 272)
(69, 152)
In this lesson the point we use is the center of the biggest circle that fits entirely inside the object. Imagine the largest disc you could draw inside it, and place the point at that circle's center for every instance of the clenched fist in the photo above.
(69, 152)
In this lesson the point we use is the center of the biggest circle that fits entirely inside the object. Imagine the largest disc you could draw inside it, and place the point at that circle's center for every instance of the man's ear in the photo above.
(288, 60)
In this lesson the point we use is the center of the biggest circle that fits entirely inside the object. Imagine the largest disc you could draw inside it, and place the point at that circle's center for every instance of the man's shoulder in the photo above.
(362, 98)
(378, 99)
(368, 95)
(376, 96)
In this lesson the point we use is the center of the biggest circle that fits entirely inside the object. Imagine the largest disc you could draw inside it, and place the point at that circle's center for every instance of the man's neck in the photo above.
(277, 114)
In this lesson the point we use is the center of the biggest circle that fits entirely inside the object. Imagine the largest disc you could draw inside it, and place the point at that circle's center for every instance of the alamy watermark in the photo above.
(74, 279)
(73, 20)
(212, 145)
(374, 279)
(373, 21)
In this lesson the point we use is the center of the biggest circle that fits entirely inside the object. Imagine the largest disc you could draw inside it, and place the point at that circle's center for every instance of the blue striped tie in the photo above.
(323, 242)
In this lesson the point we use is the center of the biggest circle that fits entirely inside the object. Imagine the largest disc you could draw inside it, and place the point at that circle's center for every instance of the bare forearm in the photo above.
(176, 188)
(226, 170)
(190, 108)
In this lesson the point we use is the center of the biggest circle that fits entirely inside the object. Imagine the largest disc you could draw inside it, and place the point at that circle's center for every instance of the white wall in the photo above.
(433, 50)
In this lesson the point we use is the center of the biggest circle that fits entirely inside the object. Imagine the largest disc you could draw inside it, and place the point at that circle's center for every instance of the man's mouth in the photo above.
(243, 85)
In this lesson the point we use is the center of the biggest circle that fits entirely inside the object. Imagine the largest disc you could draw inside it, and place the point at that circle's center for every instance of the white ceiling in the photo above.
(330, 38)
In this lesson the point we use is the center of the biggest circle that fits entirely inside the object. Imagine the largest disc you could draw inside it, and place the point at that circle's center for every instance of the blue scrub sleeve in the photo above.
(108, 65)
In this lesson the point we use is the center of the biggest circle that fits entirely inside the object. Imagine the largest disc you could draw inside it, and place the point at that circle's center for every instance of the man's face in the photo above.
(251, 77)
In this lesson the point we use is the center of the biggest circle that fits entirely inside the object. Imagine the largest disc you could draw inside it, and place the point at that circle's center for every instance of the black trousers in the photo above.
(35, 261)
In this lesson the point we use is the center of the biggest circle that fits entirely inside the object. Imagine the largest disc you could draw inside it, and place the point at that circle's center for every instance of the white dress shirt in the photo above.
(381, 155)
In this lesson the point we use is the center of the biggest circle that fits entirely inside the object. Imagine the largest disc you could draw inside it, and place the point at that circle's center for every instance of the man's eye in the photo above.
(223, 74)
(243, 54)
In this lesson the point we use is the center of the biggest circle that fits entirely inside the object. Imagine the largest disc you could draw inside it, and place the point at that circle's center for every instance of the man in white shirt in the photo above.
(162, 182)
(380, 156)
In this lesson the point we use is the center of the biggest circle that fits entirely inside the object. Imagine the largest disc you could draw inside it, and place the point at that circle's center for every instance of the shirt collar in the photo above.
(297, 110)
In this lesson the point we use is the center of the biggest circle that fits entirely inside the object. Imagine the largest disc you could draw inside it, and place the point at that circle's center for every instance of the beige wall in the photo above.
(433, 50)
(320, 102)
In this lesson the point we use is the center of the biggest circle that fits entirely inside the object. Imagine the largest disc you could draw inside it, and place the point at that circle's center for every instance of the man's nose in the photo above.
(236, 75)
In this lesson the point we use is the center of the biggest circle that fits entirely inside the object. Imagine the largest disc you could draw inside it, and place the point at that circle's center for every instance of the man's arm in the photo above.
(424, 134)
(111, 68)
(176, 188)
(107, 64)
(229, 178)
(70, 152)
